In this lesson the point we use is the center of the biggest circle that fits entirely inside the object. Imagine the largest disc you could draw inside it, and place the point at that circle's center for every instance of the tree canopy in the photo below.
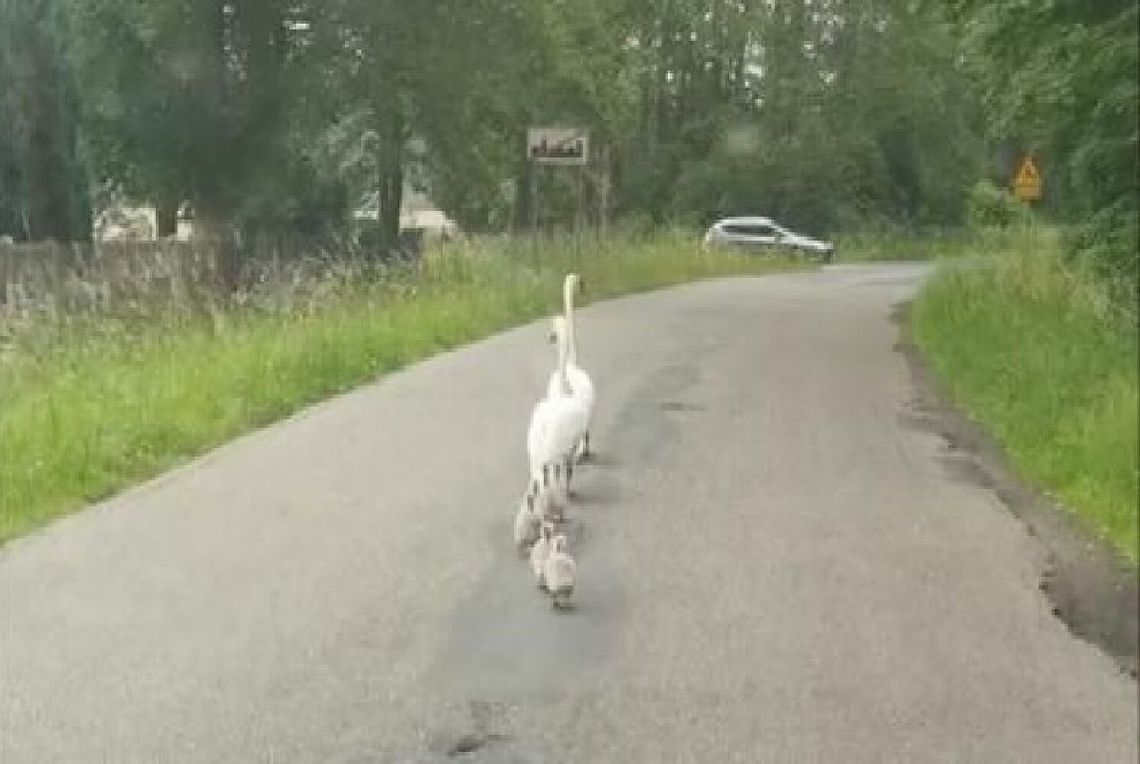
(826, 114)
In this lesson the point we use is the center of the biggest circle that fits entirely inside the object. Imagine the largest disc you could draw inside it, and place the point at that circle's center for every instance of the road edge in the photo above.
(1092, 588)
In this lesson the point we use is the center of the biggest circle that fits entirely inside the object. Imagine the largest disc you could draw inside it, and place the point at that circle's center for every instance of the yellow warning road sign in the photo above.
(1027, 181)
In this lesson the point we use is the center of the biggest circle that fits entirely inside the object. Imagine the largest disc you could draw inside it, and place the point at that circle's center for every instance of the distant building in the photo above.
(417, 213)
(121, 223)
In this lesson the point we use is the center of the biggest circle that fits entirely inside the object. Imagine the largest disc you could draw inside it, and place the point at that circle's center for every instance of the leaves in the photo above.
(828, 114)
(1062, 78)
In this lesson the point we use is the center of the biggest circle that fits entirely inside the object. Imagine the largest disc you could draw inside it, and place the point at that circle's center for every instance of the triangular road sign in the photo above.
(1027, 182)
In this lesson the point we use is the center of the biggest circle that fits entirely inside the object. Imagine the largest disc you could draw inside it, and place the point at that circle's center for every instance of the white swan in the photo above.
(560, 572)
(557, 425)
(581, 386)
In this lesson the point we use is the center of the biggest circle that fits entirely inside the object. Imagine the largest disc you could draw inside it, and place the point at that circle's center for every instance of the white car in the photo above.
(764, 233)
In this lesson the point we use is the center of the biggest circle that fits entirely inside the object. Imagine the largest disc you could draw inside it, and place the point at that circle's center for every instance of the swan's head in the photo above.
(558, 543)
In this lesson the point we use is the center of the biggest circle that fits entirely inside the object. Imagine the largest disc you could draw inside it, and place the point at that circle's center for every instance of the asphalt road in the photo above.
(776, 565)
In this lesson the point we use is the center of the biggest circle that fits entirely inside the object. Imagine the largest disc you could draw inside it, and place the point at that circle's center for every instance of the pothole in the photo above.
(479, 731)
(471, 743)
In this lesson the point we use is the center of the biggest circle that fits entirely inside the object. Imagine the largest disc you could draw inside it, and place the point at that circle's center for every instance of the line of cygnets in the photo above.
(557, 439)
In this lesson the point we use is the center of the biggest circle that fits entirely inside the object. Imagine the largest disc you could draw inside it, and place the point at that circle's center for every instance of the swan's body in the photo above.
(560, 572)
(579, 382)
(559, 434)
(536, 434)
(557, 426)
(580, 386)
(538, 555)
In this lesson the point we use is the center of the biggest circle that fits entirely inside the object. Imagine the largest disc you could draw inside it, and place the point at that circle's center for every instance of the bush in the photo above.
(988, 206)
(1108, 244)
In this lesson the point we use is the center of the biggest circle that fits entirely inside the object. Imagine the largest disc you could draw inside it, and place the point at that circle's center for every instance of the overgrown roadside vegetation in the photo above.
(935, 244)
(1038, 350)
(88, 409)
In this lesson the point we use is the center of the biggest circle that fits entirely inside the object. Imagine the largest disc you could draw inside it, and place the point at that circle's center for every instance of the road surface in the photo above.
(776, 566)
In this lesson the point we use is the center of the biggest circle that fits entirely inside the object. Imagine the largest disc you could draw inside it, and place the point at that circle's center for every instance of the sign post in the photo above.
(533, 175)
(565, 146)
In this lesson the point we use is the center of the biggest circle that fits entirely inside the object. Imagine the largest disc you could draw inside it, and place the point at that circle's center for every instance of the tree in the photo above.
(1060, 78)
(192, 101)
(44, 189)
(823, 114)
(269, 114)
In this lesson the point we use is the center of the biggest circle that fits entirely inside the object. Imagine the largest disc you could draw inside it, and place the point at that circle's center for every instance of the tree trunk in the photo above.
(388, 193)
(166, 218)
(56, 207)
(522, 193)
(390, 184)
(604, 193)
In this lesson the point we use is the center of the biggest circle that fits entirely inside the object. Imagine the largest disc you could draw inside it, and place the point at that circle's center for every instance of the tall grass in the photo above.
(1040, 354)
(89, 407)
(933, 244)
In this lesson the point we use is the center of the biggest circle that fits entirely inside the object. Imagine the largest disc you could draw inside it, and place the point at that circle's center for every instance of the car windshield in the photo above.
(750, 230)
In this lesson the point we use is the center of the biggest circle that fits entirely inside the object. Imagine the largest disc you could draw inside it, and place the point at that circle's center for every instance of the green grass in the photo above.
(92, 407)
(858, 247)
(1040, 355)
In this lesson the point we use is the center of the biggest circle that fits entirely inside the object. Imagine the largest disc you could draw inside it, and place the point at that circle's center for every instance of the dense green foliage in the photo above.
(1059, 78)
(88, 409)
(1039, 352)
(830, 115)
(279, 114)
(43, 189)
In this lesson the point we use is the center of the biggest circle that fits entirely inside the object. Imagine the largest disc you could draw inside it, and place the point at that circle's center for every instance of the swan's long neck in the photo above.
(568, 309)
(563, 357)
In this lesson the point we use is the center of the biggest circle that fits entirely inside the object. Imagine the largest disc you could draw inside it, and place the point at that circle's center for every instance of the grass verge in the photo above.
(858, 247)
(97, 406)
(1039, 354)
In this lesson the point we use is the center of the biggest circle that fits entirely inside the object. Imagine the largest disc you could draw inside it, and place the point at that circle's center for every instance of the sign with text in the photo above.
(557, 145)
